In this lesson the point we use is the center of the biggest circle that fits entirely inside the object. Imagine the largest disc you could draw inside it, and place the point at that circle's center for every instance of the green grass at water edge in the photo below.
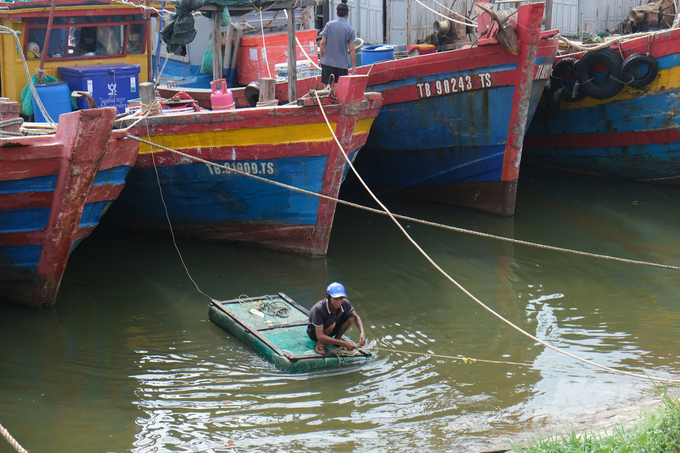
(656, 432)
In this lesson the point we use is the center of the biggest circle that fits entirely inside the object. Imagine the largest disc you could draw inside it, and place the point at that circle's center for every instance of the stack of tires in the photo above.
(600, 74)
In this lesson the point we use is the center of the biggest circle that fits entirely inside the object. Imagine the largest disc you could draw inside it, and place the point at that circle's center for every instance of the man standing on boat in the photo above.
(337, 41)
(330, 318)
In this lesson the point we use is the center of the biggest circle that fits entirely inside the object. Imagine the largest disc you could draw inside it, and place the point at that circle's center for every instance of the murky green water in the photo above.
(128, 360)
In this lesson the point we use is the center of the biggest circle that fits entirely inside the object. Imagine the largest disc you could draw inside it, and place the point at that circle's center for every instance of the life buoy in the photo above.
(253, 93)
(639, 70)
(563, 77)
(599, 73)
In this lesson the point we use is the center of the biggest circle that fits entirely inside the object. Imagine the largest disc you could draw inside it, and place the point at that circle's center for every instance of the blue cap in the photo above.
(336, 289)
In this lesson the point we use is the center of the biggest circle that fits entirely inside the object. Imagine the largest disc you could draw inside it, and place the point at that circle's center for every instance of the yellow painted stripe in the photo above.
(667, 79)
(275, 135)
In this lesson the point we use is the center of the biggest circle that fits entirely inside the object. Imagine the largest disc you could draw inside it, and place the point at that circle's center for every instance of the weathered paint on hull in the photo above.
(459, 147)
(431, 134)
(53, 192)
(291, 145)
(634, 135)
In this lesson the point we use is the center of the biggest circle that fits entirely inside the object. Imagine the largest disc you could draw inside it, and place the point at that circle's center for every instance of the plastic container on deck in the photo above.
(256, 59)
(56, 97)
(111, 85)
(221, 98)
(376, 52)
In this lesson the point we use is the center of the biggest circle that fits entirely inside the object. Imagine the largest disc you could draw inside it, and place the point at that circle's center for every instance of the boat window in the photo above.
(83, 39)
(58, 46)
(93, 41)
(88, 19)
(136, 38)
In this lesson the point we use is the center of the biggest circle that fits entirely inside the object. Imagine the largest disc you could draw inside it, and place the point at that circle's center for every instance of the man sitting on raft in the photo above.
(330, 318)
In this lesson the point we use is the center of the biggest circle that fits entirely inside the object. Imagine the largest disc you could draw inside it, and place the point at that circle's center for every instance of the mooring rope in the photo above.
(471, 360)
(11, 440)
(407, 218)
(393, 217)
(464, 290)
(167, 216)
(580, 47)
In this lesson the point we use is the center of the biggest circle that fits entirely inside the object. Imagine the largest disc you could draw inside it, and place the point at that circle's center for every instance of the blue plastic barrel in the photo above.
(376, 52)
(56, 97)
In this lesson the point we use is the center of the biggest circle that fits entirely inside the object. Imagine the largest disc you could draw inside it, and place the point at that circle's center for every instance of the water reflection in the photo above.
(129, 361)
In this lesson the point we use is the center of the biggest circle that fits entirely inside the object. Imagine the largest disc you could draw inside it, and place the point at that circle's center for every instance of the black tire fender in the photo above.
(563, 77)
(630, 70)
(253, 93)
(611, 84)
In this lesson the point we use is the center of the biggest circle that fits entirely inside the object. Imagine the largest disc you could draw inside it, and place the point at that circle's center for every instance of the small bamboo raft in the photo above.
(276, 327)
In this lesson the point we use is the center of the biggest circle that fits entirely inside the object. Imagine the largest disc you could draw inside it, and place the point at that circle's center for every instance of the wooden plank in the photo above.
(548, 14)
(267, 89)
(292, 52)
(216, 44)
(227, 50)
(237, 44)
(294, 304)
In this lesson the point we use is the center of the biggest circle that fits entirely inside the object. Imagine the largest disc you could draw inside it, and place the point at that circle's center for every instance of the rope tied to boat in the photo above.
(393, 217)
(468, 293)
(581, 48)
(11, 440)
(407, 218)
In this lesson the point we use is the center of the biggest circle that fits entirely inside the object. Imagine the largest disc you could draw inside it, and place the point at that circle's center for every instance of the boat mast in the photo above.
(46, 42)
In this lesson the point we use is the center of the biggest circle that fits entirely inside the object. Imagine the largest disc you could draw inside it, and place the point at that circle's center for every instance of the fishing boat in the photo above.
(276, 327)
(624, 123)
(54, 189)
(226, 195)
(452, 122)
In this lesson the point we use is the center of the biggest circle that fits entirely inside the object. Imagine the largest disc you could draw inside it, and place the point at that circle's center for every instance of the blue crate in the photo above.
(111, 85)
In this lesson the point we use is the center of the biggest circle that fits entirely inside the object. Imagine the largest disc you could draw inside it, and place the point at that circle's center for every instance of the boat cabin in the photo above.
(83, 33)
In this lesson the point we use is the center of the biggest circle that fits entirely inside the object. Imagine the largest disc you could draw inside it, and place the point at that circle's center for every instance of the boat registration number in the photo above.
(543, 71)
(252, 168)
(453, 85)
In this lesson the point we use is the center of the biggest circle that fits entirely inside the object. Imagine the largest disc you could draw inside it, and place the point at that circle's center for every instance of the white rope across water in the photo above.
(468, 293)
(407, 218)
(11, 440)
(394, 217)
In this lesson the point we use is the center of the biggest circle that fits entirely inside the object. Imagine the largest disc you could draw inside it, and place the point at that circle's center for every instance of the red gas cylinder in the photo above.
(221, 98)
